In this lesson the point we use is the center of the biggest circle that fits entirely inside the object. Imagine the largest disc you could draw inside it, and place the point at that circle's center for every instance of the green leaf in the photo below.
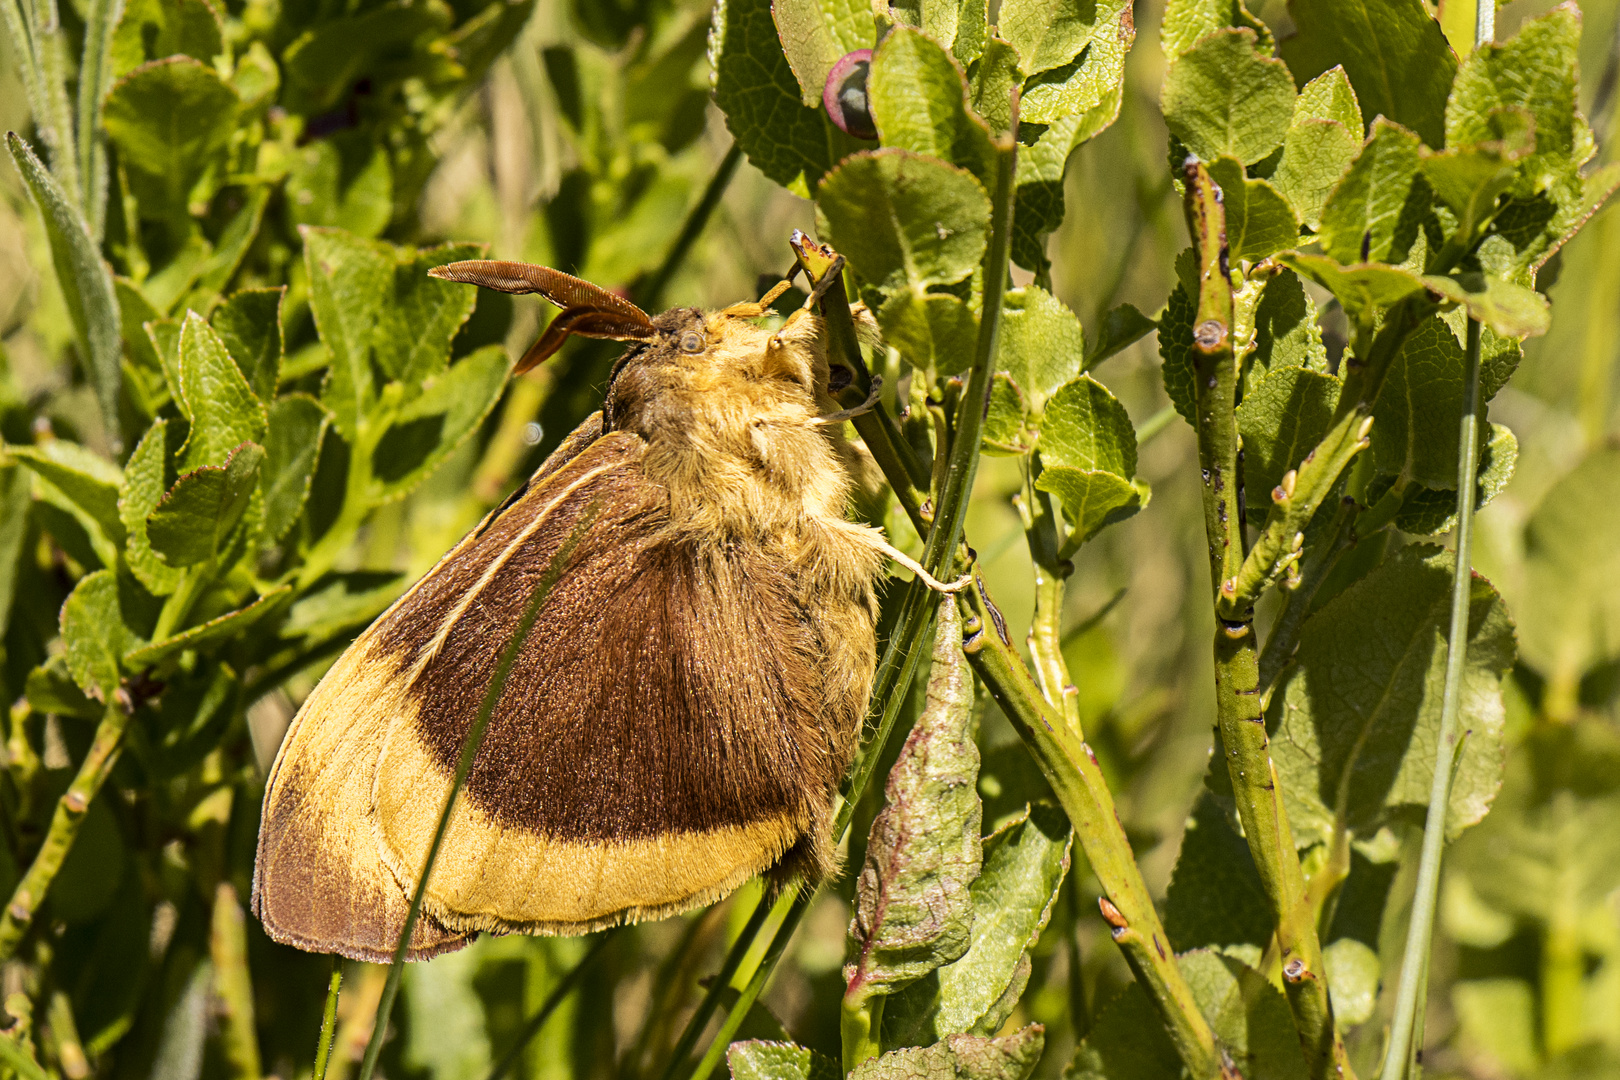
(913, 908)
(428, 429)
(815, 35)
(1223, 97)
(1247, 1013)
(1186, 21)
(919, 102)
(757, 1059)
(1024, 866)
(1357, 717)
(85, 280)
(1005, 428)
(904, 220)
(15, 495)
(1215, 896)
(1088, 460)
(1323, 140)
(223, 409)
(1330, 96)
(249, 325)
(1430, 512)
(448, 1034)
(1285, 331)
(1394, 52)
(1534, 71)
(342, 603)
(140, 495)
(1469, 179)
(95, 635)
(993, 79)
(1041, 346)
(422, 314)
(344, 182)
(291, 451)
(1259, 221)
(234, 240)
(1090, 86)
(1508, 308)
(961, 1057)
(1363, 290)
(214, 630)
(933, 331)
(164, 337)
(154, 29)
(1051, 33)
(349, 278)
(1121, 328)
(1176, 350)
(89, 480)
(1281, 422)
(1569, 606)
(194, 519)
(169, 119)
(755, 88)
(1353, 971)
(51, 689)
(1372, 216)
(323, 63)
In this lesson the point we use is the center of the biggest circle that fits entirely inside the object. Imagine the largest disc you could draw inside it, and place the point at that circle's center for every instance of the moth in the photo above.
(679, 717)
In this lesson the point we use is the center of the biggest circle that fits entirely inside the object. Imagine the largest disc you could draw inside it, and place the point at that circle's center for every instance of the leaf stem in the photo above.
(69, 815)
(1409, 996)
(1241, 725)
(469, 752)
(20, 1060)
(558, 994)
(651, 294)
(323, 1048)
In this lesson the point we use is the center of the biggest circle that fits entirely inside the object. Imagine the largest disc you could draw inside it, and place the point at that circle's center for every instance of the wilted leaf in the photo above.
(197, 516)
(1393, 50)
(1357, 717)
(1024, 866)
(1223, 98)
(961, 1057)
(913, 909)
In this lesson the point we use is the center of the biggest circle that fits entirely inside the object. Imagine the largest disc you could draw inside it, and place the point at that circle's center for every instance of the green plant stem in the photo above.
(651, 294)
(323, 1048)
(1077, 780)
(19, 1059)
(797, 903)
(711, 999)
(70, 810)
(1409, 996)
(469, 752)
(1284, 636)
(233, 986)
(1241, 724)
(564, 987)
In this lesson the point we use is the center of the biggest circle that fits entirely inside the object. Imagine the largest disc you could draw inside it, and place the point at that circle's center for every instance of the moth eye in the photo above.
(691, 342)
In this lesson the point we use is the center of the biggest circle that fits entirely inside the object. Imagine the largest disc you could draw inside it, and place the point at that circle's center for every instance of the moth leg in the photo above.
(756, 308)
(849, 414)
(916, 568)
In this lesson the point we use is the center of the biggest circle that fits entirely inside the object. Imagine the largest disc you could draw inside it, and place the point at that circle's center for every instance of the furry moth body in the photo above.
(679, 718)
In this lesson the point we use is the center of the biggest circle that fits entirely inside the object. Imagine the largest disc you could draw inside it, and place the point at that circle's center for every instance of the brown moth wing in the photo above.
(658, 742)
(319, 881)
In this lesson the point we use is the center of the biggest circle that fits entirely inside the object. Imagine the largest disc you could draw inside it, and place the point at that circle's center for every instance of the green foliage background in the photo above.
(204, 501)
